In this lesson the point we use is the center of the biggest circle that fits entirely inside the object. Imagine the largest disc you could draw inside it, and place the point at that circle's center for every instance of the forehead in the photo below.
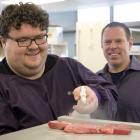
(26, 30)
(114, 32)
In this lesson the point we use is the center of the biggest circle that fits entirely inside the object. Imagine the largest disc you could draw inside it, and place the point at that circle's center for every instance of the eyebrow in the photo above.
(28, 37)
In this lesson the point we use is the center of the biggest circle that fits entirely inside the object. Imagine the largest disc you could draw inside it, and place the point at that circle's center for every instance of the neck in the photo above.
(118, 68)
(30, 74)
(34, 75)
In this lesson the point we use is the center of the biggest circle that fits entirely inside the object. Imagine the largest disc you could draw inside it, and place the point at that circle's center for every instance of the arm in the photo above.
(105, 92)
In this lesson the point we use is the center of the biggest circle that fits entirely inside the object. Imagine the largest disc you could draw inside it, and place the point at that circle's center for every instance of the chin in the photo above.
(115, 64)
(33, 65)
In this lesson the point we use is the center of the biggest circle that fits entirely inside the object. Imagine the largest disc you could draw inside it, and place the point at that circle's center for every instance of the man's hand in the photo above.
(91, 103)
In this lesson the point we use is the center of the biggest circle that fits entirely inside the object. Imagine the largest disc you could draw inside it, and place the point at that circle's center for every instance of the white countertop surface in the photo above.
(42, 132)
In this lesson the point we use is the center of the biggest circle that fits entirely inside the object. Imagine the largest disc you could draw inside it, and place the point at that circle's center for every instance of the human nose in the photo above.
(33, 44)
(113, 44)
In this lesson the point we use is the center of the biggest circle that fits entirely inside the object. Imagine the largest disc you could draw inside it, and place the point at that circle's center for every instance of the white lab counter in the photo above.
(42, 132)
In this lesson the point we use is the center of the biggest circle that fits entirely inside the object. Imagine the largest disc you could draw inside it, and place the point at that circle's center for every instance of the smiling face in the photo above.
(28, 62)
(116, 47)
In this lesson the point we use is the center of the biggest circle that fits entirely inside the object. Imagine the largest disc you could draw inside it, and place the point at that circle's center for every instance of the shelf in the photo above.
(60, 49)
(135, 50)
(69, 29)
(58, 44)
(135, 53)
(135, 24)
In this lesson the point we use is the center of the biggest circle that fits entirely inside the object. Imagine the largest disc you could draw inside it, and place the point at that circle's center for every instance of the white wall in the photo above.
(88, 36)
(89, 51)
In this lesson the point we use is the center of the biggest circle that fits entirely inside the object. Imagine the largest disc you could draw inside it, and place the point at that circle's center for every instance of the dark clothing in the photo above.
(25, 103)
(116, 76)
(128, 84)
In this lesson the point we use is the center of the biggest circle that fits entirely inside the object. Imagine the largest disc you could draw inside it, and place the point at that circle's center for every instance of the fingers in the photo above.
(79, 107)
(91, 101)
(86, 109)
(89, 94)
(76, 93)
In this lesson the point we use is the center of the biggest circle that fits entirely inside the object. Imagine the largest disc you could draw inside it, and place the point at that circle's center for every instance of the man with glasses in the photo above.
(26, 42)
(122, 69)
(34, 85)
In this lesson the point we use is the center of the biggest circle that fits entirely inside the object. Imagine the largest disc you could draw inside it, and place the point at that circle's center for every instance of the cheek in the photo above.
(44, 46)
(105, 49)
(44, 49)
(13, 53)
(7, 51)
(125, 50)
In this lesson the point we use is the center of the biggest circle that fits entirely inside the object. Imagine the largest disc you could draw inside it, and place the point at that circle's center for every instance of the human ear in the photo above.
(2, 41)
(131, 40)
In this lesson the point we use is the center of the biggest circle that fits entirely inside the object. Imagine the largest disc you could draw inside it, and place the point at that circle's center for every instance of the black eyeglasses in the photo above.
(26, 42)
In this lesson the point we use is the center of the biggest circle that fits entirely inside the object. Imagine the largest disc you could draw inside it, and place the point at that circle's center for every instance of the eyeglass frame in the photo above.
(31, 40)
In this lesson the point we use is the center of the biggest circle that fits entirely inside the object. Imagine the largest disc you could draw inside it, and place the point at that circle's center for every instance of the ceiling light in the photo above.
(7, 2)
